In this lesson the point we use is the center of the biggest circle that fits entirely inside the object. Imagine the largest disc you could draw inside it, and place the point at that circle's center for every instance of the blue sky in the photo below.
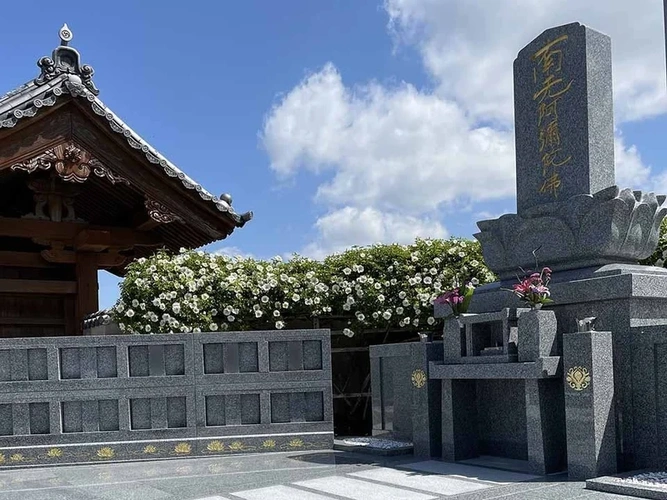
(337, 122)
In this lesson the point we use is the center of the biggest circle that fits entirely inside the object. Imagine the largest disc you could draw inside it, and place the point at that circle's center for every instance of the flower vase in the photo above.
(536, 334)
(536, 307)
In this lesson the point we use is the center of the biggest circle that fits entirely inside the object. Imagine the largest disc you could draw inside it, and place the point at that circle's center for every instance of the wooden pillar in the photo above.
(87, 290)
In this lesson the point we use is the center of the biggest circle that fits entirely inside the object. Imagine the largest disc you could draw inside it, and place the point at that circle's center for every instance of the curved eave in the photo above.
(27, 100)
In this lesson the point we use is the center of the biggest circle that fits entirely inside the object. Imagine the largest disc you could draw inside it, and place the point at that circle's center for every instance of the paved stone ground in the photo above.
(286, 476)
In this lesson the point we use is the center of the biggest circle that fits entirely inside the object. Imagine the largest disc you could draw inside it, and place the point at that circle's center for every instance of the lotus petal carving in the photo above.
(610, 226)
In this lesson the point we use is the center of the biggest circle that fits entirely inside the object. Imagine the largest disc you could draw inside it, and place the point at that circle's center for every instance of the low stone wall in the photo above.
(132, 397)
(406, 402)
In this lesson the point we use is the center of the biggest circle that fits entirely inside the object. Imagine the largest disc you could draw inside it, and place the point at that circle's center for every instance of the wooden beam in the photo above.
(68, 231)
(143, 222)
(87, 300)
(102, 260)
(45, 287)
(22, 259)
(90, 240)
(32, 321)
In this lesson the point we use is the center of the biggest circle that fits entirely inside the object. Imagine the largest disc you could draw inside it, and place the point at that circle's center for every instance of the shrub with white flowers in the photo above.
(378, 287)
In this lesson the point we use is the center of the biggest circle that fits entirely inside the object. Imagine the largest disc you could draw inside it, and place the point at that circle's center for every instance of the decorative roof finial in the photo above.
(65, 35)
(66, 60)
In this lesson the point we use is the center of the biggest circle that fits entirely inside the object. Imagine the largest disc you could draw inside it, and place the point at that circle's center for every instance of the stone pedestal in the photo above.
(589, 404)
(630, 301)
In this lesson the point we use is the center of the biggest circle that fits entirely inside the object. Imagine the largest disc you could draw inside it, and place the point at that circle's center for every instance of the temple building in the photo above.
(82, 191)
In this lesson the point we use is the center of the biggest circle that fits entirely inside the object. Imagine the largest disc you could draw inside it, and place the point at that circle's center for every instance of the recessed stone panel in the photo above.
(215, 410)
(213, 358)
(174, 359)
(140, 414)
(6, 420)
(312, 354)
(250, 413)
(106, 362)
(278, 357)
(40, 423)
(176, 412)
(248, 361)
(280, 407)
(108, 414)
(314, 409)
(37, 364)
(138, 359)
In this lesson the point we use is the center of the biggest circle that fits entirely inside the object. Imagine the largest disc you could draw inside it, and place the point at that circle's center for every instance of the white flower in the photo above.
(280, 325)
(462, 254)
(427, 280)
(360, 268)
(381, 298)
(474, 281)
(474, 263)
(129, 313)
(346, 306)
(347, 271)
(377, 286)
(264, 299)
(348, 333)
(406, 302)
(296, 297)
(430, 320)
(386, 315)
(258, 314)
(399, 310)
(360, 316)
(415, 322)
(276, 314)
(213, 327)
(147, 328)
(135, 303)
(196, 330)
(230, 318)
(176, 307)
(285, 305)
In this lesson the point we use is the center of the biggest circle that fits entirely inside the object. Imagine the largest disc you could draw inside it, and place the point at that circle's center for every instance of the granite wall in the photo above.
(87, 399)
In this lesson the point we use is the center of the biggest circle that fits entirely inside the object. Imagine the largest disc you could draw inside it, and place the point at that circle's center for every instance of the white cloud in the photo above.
(396, 149)
(230, 251)
(397, 155)
(468, 47)
(350, 226)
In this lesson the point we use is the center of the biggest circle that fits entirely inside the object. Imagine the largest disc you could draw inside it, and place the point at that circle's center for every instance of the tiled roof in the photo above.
(63, 75)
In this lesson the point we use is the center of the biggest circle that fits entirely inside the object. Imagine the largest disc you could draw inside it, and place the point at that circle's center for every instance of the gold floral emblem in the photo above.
(16, 457)
(578, 378)
(106, 453)
(295, 443)
(2, 458)
(150, 449)
(183, 448)
(269, 443)
(215, 446)
(236, 446)
(54, 453)
(419, 378)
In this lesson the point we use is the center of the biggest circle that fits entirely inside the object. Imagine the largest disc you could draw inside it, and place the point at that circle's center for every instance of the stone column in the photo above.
(426, 400)
(589, 404)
